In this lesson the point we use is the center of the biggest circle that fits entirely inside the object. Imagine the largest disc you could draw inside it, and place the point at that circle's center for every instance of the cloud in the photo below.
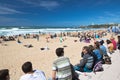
(95, 3)
(112, 14)
(101, 17)
(6, 10)
(107, 13)
(49, 4)
(4, 19)
(45, 4)
(108, 17)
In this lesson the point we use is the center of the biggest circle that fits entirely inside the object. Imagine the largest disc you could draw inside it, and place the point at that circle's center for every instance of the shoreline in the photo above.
(18, 31)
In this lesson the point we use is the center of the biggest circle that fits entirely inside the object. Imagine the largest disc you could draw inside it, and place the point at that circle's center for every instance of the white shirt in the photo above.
(37, 75)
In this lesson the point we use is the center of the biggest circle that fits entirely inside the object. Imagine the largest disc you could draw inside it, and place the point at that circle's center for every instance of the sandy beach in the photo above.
(14, 54)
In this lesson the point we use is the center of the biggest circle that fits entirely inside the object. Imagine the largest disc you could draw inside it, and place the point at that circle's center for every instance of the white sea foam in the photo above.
(17, 31)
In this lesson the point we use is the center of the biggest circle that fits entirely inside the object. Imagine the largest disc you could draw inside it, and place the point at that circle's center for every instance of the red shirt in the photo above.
(114, 43)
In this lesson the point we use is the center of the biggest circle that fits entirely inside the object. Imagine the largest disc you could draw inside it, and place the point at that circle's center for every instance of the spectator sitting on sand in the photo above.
(61, 69)
(113, 42)
(86, 64)
(31, 74)
(97, 51)
(110, 46)
(4, 74)
(91, 48)
(103, 48)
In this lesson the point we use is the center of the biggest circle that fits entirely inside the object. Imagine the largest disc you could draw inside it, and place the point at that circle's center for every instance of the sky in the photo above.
(58, 12)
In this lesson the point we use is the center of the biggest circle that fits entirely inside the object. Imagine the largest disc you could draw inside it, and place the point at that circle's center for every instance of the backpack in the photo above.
(98, 67)
(107, 60)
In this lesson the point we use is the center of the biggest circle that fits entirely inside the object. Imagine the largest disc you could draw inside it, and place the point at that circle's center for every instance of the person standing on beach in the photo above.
(37, 36)
(31, 74)
(61, 69)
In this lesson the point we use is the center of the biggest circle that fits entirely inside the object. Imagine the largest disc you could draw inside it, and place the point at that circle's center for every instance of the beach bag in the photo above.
(98, 67)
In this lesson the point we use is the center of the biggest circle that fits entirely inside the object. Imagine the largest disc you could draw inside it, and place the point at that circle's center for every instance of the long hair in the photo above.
(118, 39)
(3, 74)
(108, 41)
(97, 45)
(91, 48)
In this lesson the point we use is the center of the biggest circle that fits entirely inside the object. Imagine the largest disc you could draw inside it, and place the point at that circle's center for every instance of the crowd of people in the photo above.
(62, 68)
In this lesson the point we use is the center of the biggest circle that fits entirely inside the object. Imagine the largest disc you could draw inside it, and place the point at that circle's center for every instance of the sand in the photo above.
(14, 54)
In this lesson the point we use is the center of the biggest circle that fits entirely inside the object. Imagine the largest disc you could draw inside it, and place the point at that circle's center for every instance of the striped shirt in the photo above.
(63, 68)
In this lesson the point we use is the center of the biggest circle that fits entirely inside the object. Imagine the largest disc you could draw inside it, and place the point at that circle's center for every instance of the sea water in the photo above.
(16, 30)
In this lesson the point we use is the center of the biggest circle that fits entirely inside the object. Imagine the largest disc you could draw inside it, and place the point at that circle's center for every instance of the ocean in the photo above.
(16, 30)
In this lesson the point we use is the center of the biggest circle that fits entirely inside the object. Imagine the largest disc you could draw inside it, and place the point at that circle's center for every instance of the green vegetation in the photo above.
(99, 26)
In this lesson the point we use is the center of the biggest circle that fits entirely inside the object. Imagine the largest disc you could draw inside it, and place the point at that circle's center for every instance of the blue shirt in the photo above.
(103, 48)
(97, 53)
